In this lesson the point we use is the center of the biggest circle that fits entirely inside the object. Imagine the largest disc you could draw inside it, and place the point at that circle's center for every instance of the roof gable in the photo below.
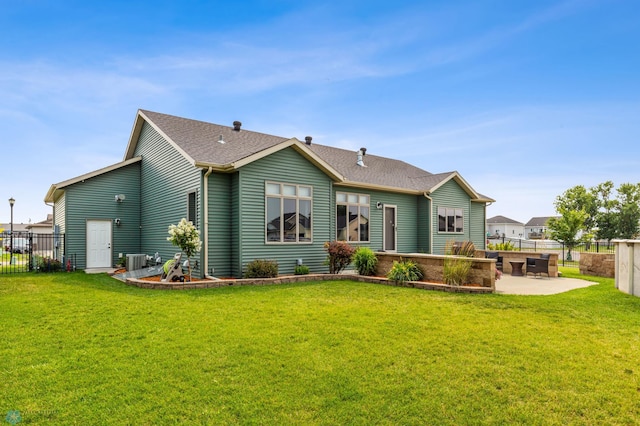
(56, 188)
(503, 219)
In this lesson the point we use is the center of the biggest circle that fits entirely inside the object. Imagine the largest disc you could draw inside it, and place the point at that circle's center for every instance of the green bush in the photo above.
(261, 268)
(457, 265)
(301, 270)
(340, 254)
(365, 261)
(405, 270)
(506, 246)
(47, 264)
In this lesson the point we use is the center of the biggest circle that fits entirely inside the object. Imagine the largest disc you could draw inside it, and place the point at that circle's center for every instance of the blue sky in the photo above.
(524, 99)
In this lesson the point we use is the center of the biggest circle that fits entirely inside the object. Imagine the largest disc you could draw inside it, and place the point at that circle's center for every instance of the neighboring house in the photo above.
(536, 228)
(42, 235)
(501, 226)
(244, 190)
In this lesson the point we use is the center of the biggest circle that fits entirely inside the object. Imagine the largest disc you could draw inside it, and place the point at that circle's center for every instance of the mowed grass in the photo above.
(86, 349)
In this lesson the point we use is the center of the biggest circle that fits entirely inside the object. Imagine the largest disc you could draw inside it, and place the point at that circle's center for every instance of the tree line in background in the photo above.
(600, 212)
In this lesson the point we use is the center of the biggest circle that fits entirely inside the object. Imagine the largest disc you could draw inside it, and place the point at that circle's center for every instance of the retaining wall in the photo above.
(598, 264)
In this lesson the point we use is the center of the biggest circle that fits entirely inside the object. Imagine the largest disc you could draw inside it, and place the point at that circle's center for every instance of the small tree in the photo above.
(186, 237)
(565, 228)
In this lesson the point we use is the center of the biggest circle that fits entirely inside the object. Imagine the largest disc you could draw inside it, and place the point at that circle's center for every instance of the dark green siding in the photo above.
(477, 231)
(166, 178)
(450, 195)
(236, 243)
(286, 166)
(407, 218)
(59, 212)
(220, 247)
(424, 225)
(94, 198)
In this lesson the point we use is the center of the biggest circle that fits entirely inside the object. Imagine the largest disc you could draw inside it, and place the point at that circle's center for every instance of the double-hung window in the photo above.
(352, 217)
(288, 213)
(450, 220)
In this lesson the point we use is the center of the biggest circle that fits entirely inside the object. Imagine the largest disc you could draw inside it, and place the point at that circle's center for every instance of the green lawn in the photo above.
(86, 349)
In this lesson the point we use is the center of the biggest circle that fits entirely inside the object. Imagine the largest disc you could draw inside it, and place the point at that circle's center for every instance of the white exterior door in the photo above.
(98, 244)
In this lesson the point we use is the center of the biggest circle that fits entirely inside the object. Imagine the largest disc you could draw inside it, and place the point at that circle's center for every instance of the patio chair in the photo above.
(494, 255)
(538, 266)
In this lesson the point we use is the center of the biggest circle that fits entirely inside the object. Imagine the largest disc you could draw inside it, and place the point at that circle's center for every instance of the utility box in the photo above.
(136, 261)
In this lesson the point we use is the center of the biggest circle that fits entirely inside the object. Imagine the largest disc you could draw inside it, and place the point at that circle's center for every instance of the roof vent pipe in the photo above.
(307, 140)
(360, 156)
(220, 140)
(236, 126)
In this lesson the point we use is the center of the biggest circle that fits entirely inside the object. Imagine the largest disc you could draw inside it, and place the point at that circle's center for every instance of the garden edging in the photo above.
(200, 284)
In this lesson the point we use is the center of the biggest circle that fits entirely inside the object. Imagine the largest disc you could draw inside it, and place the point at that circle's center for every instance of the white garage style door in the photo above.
(98, 244)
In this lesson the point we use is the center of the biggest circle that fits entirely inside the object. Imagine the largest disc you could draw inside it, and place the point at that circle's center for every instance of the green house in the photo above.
(257, 196)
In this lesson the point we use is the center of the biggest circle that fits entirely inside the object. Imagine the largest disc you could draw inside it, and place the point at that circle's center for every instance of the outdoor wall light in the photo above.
(117, 221)
(378, 205)
(120, 198)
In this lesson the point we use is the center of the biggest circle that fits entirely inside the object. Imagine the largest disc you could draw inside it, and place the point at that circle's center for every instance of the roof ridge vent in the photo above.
(237, 125)
(361, 153)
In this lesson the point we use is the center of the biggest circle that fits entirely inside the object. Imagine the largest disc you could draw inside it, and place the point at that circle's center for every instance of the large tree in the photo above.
(628, 210)
(607, 214)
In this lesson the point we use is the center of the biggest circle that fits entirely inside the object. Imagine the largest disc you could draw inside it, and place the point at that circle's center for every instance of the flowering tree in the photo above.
(187, 237)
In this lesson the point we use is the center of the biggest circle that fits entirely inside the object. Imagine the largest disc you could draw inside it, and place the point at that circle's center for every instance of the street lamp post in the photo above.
(11, 203)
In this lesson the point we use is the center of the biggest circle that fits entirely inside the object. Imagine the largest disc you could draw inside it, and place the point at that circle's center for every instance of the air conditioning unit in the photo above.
(136, 261)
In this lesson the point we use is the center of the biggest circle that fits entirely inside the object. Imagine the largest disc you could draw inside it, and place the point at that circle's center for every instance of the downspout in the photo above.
(430, 222)
(205, 240)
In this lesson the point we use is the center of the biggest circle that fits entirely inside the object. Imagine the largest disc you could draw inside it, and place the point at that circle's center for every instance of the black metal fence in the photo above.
(26, 251)
(566, 257)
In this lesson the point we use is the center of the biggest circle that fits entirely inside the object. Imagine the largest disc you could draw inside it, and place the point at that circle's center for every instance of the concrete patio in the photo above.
(538, 285)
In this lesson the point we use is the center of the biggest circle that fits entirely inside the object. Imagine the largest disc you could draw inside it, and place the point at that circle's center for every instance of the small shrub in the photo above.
(301, 270)
(506, 246)
(464, 248)
(457, 267)
(365, 261)
(405, 270)
(261, 268)
(47, 264)
(340, 254)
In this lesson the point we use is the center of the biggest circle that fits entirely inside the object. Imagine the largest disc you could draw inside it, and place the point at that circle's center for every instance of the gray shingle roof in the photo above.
(502, 219)
(538, 221)
(198, 140)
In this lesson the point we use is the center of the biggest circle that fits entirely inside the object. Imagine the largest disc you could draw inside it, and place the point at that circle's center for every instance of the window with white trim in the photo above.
(288, 213)
(352, 217)
(450, 220)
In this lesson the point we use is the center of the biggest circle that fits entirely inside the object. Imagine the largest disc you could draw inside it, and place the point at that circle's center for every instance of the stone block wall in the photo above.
(482, 270)
(598, 264)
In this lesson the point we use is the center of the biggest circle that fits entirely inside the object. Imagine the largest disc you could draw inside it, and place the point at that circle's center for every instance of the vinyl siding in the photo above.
(424, 225)
(453, 196)
(406, 212)
(220, 247)
(94, 198)
(286, 166)
(166, 178)
(59, 212)
(477, 221)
